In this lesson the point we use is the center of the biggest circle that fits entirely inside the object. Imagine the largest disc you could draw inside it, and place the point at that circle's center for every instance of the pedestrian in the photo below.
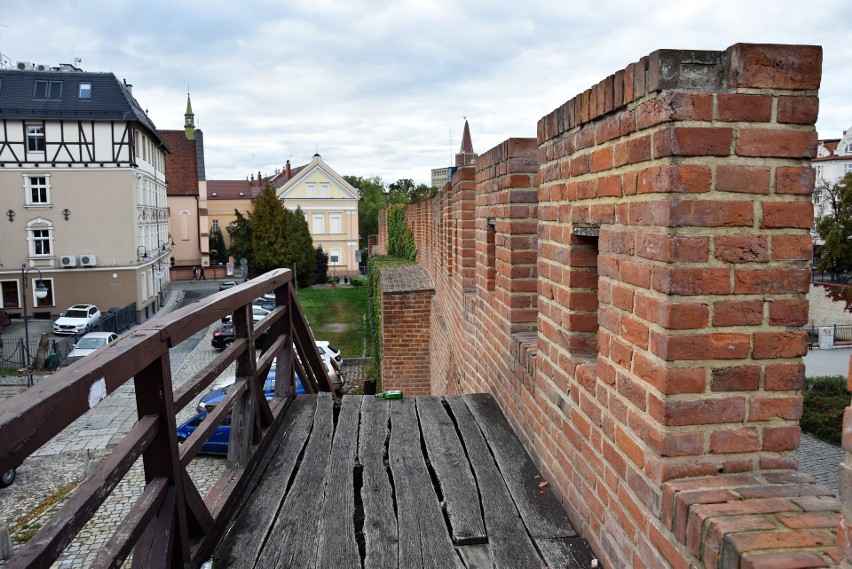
(194, 274)
(202, 277)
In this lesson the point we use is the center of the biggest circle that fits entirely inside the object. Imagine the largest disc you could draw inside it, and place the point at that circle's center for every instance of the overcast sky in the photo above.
(380, 87)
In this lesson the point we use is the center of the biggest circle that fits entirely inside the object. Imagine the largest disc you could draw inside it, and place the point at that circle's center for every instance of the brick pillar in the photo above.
(382, 246)
(463, 214)
(674, 211)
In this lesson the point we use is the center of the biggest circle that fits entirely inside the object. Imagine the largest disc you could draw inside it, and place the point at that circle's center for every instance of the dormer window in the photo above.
(85, 91)
(47, 90)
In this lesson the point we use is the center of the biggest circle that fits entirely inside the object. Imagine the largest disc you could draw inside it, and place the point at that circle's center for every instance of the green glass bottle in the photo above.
(392, 394)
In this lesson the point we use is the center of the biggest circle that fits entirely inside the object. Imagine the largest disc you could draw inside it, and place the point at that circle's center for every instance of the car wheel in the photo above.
(7, 478)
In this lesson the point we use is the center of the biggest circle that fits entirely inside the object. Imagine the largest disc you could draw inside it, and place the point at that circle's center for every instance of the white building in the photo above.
(833, 162)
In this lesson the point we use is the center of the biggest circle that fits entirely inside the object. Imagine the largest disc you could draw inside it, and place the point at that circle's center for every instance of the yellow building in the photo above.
(330, 206)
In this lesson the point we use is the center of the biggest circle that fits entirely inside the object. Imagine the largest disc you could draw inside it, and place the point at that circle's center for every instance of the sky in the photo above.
(381, 87)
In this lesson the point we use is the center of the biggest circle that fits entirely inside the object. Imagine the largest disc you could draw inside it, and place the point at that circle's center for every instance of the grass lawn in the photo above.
(339, 315)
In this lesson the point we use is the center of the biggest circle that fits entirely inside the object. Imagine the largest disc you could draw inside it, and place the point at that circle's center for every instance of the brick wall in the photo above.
(637, 304)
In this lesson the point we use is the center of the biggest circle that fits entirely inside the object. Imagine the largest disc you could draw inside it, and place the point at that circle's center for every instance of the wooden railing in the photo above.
(171, 524)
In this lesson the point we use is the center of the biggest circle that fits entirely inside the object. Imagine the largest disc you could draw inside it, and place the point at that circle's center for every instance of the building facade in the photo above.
(82, 169)
(833, 162)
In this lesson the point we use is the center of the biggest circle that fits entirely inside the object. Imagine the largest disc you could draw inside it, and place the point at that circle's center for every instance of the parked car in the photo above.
(227, 284)
(78, 319)
(223, 337)
(7, 478)
(91, 342)
(263, 302)
(326, 348)
(258, 313)
(222, 385)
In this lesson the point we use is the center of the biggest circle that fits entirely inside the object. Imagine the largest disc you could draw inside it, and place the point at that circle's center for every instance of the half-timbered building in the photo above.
(82, 193)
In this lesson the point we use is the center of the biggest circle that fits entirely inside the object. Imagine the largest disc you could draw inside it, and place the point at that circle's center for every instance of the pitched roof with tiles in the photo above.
(111, 99)
(231, 189)
(182, 165)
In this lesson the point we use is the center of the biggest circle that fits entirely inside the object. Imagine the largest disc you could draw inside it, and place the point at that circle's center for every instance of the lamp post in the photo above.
(40, 292)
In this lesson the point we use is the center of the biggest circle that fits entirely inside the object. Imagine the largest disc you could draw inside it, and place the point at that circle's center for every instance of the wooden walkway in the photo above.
(411, 483)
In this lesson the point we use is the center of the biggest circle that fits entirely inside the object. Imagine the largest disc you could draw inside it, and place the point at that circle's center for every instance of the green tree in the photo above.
(241, 235)
(300, 247)
(321, 274)
(373, 199)
(401, 191)
(835, 228)
(218, 252)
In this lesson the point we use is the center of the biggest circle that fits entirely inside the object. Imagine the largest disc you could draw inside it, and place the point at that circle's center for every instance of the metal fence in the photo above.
(842, 332)
(836, 278)
(13, 352)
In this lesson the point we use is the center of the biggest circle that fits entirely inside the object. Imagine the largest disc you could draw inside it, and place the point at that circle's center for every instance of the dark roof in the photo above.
(181, 164)
(231, 189)
(111, 99)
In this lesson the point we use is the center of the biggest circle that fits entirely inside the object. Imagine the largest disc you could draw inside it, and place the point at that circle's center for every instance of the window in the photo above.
(215, 223)
(38, 190)
(9, 292)
(48, 284)
(318, 226)
(334, 256)
(35, 137)
(48, 90)
(40, 237)
(817, 197)
(819, 172)
(847, 168)
(85, 91)
(334, 225)
(311, 190)
(324, 192)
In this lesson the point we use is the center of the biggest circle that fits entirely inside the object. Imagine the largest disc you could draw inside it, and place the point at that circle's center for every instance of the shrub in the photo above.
(825, 400)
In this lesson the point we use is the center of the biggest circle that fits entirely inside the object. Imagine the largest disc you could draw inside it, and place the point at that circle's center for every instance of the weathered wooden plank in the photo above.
(337, 545)
(242, 544)
(293, 539)
(475, 556)
(380, 527)
(568, 552)
(541, 511)
(508, 541)
(458, 487)
(423, 537)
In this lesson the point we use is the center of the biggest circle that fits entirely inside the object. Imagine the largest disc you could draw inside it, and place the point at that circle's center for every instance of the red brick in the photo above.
(708, 213)
(792, 247)
(669, 381)
(788, 312)
(672, 315)
(738, 313)
(698, 412)
(775, 345)
(738, 378)
(798, 110)
(771, 66)
(781, 439)
(767, 408)
(693, 141)
(691, 281)
(794, 215)
(742, 248)
(742, 179)
(776, 143)
(784, 560)
(639, 149)
(739, 107)
(734, 441)
(677, 179)
(602, 159)
(785, 377)
(771, 281)
(794, 180)
(675, 106)
(700, 346)
(670, 248)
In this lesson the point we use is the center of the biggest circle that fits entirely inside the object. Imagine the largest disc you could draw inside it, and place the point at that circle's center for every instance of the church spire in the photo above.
(189, 120)
(466, 155)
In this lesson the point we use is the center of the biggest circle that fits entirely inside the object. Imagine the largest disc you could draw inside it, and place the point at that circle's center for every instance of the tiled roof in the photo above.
(111, 99)
(831, 146)
(181, 164)
(231, 190)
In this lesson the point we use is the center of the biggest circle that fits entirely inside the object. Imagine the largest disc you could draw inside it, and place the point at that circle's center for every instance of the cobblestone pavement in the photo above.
(47, 478)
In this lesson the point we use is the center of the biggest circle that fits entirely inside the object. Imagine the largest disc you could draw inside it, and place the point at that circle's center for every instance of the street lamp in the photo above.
(144, 256)
(40, 292)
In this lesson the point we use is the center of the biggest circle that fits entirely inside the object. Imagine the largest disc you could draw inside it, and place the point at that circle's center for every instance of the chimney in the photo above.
(287, 171)
(259, 179)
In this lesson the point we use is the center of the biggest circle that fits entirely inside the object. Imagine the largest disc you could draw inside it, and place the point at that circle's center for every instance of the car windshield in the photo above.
(75, 314)
(90, 343)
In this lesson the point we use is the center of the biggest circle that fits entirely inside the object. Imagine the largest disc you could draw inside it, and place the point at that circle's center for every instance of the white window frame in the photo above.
(847, 168)
(13, 297)
(35, 137)
(310, 190)
(40, 232)
(48, 284)
(818, 169)
(335, 253)
(335, 223)
(30, 185)
(318, 224)
(325, 193)
(85, 90)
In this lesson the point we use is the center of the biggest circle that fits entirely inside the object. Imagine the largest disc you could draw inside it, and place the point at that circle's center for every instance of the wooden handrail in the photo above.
(171, 524)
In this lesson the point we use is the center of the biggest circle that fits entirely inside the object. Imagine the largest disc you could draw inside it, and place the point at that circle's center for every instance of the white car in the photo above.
(91, 342)
(78, 319)
(327, 350)
(258, 313)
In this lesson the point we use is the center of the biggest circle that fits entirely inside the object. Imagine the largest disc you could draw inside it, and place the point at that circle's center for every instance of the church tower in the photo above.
(189, 120)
